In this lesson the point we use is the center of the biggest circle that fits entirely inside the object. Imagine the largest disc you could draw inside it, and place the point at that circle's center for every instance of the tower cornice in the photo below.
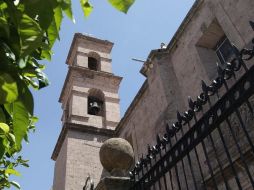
(78, 37)
(81, 128)
(88, 73)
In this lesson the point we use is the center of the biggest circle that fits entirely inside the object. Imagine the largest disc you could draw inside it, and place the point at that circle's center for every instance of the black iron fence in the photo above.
(211, 145)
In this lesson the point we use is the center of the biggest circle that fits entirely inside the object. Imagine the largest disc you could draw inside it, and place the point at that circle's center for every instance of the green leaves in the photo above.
(8, 168)
(26, 97)
(6, 139)
(32, 74)
(41, 11)
(4, 28)
(30, 35)
(2, 116)
(12, 171)
(20, 117)
(66, 7)
(4, 128)
(15, 184)
(8, 88)
(86, 7)
(54, 28)
(121, 5)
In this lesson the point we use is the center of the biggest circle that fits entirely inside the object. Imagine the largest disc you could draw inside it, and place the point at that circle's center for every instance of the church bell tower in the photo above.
(90, 104)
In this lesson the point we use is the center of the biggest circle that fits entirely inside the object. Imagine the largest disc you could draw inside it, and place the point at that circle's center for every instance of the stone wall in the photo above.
(82, 159)
(60, 171)
(158, 100)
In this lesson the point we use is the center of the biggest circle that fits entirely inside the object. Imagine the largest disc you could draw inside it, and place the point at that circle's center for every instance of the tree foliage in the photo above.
(28, 31)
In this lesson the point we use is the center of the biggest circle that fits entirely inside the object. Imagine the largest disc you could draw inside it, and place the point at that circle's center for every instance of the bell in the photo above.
(94, 108)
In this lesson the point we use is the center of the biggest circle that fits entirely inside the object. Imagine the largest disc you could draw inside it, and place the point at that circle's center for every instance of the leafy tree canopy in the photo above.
(28, 31)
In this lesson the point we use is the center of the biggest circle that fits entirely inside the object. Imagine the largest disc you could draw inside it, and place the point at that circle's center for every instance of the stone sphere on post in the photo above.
(116, 156)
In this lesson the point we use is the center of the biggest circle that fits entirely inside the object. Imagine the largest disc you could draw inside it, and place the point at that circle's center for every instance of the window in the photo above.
(213, 46)
(224, 50)
(95, 103)
(92, 63)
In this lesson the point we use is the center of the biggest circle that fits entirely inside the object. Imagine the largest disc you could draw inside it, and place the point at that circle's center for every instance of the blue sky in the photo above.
(147, 24)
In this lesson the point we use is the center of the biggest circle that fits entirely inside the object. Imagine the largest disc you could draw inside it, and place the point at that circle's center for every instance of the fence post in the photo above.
(116, 156)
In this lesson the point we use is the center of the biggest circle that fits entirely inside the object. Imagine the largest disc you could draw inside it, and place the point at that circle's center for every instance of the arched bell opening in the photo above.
(95, 103)
(92, 64)
(94, 61)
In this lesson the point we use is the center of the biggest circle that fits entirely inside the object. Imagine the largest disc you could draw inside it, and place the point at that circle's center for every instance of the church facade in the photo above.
(90, 100)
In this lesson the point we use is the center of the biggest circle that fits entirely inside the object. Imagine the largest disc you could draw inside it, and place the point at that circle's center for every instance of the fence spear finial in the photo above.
(179, 117)
(191, 103)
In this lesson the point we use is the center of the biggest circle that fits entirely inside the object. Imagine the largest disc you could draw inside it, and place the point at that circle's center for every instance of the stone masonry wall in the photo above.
(83, 159)
(60, 171)
(158, 101)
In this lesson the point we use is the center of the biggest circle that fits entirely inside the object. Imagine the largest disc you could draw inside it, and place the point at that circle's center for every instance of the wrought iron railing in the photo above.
(210, 146)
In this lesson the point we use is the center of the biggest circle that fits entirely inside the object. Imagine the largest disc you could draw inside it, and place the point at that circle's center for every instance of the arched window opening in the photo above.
(95, 102)
(92, 64)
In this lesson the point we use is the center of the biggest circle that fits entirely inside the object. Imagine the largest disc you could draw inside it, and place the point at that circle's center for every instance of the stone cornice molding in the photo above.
(111, 99)
(81, 93)
(90, 74)
(79, 37)
(81, 128)
(173, 42)
(101, 58)
(85, 94)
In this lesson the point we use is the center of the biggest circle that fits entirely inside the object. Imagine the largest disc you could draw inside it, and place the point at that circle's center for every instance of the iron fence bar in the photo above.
(206, 156)
(201, 133)
(190, 165)
(157, 171)
(209, 165)
(198, 160)
(245, 132)
(219, 163)
(152, 176)
(240, 119)
(230, 159)
(142, 171)
(138, 177)
(244, 129)
(149, 176)
(176, 170)
(240, 152)
(249, 106)
(164, 177)
(170, 174)
(216, 155)
(185, 178)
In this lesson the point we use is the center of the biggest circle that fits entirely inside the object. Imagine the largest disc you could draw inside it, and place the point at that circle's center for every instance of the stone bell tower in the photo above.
(91, 111)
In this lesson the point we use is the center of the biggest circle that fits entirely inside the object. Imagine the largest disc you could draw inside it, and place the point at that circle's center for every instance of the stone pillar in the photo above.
(116, 156)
